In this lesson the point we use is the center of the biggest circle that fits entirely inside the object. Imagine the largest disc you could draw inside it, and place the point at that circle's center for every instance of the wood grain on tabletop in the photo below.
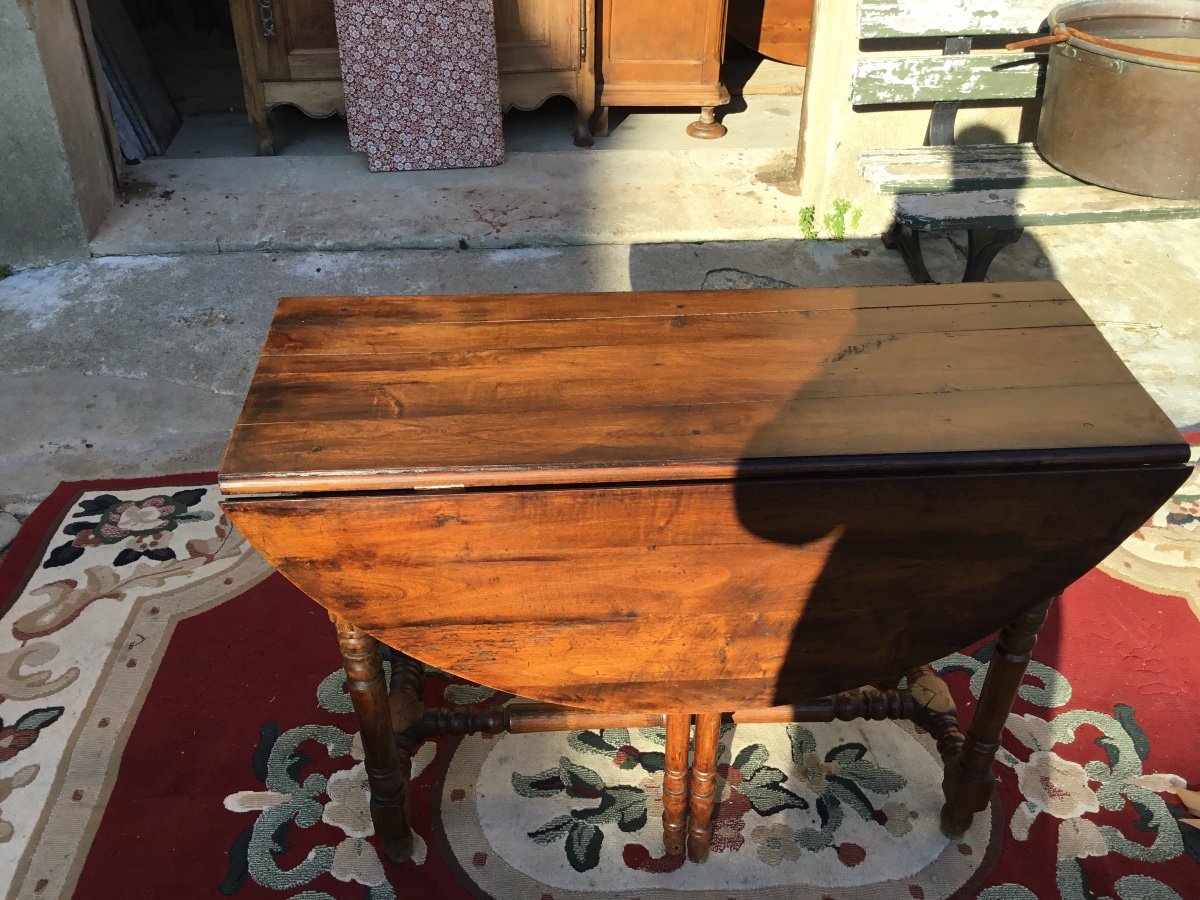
(388, 392)
(673, 595)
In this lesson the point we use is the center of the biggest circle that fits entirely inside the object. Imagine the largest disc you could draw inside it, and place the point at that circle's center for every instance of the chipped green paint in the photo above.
(943, 18)
(988, 186)
(922, 170)
(925, 79)
(1039, 206)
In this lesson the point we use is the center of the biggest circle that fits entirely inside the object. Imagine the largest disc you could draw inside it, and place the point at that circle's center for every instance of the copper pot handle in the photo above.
(1066, 32)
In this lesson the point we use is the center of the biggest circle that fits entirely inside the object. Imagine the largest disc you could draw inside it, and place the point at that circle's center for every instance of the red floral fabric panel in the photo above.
(422, 82)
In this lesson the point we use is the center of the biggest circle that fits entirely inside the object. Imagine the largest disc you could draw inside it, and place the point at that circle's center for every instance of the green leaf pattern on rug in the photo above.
(332, 694)
(143, 526)
(1063, 788)
(622, 805)
(835, 783)
(1055, 690)
(583, 845)
(14, 739)
(616, 744)
(760, 784)
(290, 798)
(844, 777)
(24, 732)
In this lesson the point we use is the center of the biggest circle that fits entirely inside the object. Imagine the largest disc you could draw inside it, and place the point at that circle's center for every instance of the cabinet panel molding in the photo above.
(666, 53)
(289, 56)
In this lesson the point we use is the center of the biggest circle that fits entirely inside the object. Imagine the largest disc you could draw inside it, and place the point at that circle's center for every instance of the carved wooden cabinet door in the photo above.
(545, 49)
(295, 40)
(540, 35)
(288, 52)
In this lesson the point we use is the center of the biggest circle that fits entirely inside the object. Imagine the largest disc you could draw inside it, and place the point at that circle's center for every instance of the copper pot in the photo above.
(1121, 105)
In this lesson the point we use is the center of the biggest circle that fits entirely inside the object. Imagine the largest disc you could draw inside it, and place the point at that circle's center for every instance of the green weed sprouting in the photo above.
(835, 222)
(808, 226)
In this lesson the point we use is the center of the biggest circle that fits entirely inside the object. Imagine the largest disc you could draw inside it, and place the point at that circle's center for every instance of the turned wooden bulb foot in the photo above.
(955, 822)
(707, 128)
(398, 850)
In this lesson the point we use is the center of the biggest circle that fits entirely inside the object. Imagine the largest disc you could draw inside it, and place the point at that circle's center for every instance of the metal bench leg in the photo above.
(907, 240)
(983, 244)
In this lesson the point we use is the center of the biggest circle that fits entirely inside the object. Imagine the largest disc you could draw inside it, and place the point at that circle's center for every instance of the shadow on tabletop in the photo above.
(880, 593)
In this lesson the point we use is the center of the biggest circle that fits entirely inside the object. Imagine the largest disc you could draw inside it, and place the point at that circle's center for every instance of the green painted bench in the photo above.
(993, 191)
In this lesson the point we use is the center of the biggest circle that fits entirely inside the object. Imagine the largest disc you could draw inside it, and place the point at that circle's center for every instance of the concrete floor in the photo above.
(135, 362)
(648, 182)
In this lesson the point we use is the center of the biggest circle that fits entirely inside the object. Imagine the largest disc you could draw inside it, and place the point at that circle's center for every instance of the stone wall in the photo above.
(56, 176)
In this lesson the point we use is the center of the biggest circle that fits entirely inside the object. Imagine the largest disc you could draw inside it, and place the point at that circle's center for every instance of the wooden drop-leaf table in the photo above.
(645, 509)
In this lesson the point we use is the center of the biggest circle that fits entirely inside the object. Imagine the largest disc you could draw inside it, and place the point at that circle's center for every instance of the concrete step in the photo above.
(646, 183)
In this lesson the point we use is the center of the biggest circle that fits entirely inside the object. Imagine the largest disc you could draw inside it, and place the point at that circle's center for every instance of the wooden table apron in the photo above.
(693, 502)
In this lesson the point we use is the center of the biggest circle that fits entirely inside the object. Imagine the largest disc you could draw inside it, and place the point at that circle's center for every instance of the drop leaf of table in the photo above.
(644, 506)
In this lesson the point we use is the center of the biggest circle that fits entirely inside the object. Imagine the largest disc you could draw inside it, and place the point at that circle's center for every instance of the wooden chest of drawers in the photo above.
(666, 53)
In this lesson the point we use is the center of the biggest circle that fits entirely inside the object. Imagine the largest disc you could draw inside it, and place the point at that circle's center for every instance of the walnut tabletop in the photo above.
(393, 393)
(701, 500)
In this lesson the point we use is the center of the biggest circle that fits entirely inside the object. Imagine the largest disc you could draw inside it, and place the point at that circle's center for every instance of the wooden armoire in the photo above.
(289, 55)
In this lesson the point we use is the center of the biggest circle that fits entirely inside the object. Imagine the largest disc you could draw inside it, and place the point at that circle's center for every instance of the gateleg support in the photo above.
(969, 778)
(387, 774)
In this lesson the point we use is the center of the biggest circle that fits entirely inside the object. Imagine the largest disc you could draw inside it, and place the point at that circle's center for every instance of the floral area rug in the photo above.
(174, 723)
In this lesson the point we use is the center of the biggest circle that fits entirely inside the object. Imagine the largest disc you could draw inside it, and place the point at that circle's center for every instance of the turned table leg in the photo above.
(406, 701)
(385, 773)
(675, 788)
(704, 786)
(969, 778)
